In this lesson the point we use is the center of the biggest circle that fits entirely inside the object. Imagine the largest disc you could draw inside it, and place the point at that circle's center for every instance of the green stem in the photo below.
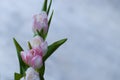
(42, 78)
(41, 72)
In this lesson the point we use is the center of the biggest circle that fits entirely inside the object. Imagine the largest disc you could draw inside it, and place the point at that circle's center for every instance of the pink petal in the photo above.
(23, 55)
(44, 47)
(36, 62)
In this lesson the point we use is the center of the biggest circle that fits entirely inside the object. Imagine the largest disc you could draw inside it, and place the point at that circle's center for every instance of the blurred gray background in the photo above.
(92, 27)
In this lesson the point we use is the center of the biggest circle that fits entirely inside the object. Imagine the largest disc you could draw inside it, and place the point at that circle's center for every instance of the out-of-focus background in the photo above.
(92, 27)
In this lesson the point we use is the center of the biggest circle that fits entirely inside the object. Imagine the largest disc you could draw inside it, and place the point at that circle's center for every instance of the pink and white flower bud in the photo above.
(38, 42)
(33, 57)
(44, 47)
(41, 22)
(31, 74)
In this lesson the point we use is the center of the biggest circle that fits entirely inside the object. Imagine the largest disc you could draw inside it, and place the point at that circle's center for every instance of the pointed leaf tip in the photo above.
(48, 10)
(49, 22)
(29, 45)
(22, 65)
(44, 6)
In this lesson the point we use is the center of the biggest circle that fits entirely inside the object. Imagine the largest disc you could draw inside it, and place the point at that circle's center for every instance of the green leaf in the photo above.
(49, 24)
(22, 65)
(50, 18)
(42, 71)
(44, 6)
(17, 76)
(29, 45)
(53, 48)
(48, 10)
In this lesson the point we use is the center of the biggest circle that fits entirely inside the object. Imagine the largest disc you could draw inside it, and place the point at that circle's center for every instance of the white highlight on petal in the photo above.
(31, 74)
(36, 41)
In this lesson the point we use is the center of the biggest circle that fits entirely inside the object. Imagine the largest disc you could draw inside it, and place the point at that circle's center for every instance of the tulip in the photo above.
(33, 57)
(38, 42)
(40, 22)
(31, 74)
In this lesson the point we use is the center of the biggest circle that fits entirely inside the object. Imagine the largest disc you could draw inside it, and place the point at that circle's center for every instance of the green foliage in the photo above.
(45, 6)
(41, 33)
(53, 47)
(42, 71)
(29, 45)
(49, 22)
(48, 10)
(17, 76)
(22, 65)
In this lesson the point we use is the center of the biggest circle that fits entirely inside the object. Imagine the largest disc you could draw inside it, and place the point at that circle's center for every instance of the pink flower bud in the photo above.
(31, 74)
(36, 62)
(33, 57)
(37, 42)
(41, 22)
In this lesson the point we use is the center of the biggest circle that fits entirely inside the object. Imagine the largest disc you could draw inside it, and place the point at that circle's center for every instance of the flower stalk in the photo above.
(32, 61)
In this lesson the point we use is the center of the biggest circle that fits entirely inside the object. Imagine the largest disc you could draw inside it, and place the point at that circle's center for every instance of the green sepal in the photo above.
(41, 33)
(17, 76)
(29, 45)
(53, 47)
